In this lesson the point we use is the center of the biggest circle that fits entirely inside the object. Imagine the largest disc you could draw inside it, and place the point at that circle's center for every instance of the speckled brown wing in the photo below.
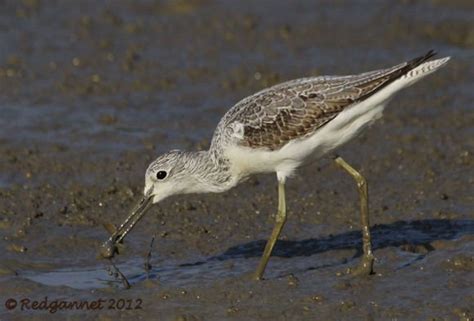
(295, 109)
(290, 116)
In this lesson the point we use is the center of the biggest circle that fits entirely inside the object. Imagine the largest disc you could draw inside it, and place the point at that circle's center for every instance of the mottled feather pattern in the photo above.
(280, 128)
(295, 109)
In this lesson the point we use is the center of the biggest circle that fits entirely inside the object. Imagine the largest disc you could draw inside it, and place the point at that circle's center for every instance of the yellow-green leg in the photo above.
(280, 221)
(366, 266)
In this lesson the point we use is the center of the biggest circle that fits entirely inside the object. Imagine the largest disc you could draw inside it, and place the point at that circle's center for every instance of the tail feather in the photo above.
(425, 68)
(419, 60)
(410, 71)
(410, 65)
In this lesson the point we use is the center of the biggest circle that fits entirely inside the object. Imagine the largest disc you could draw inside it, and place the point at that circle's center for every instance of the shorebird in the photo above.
(275, 131)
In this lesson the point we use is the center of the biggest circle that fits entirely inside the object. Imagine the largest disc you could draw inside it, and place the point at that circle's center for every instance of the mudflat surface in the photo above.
(91, 92)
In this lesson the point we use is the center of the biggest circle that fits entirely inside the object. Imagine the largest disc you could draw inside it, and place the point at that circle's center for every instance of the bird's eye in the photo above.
(161, 175)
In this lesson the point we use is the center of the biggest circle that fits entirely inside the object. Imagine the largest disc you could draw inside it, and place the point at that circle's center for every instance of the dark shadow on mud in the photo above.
(408, 234)
(419, 232)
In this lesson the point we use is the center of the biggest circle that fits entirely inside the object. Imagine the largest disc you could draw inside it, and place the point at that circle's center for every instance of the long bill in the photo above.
(109, 247)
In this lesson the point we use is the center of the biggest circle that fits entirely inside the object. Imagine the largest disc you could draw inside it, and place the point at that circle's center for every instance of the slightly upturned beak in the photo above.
(109, 247)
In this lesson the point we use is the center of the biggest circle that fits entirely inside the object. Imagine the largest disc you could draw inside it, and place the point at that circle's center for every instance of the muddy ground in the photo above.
(91, 92)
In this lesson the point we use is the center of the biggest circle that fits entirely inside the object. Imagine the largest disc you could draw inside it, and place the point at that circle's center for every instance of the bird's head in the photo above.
(169, 174)
(172, 173)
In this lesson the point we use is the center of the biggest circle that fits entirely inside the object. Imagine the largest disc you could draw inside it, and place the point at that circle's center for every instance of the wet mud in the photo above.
(91, 92)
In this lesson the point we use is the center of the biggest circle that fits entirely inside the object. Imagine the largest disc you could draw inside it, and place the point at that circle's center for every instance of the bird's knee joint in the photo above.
(361, 181)
(280, 217)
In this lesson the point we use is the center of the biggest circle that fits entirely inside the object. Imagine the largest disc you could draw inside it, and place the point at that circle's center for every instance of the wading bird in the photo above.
(277, 130)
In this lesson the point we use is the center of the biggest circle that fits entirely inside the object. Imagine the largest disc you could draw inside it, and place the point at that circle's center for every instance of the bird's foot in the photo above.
(365, 267)
(250, 277)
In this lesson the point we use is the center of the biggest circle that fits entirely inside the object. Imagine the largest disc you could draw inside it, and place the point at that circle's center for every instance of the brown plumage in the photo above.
(294, 109)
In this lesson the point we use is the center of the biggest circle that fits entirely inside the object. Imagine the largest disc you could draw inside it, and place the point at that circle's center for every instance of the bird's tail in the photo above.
(420, 67)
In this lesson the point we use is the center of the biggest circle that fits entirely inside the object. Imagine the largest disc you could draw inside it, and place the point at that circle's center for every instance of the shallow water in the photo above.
(413, 238)
(91, 92)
